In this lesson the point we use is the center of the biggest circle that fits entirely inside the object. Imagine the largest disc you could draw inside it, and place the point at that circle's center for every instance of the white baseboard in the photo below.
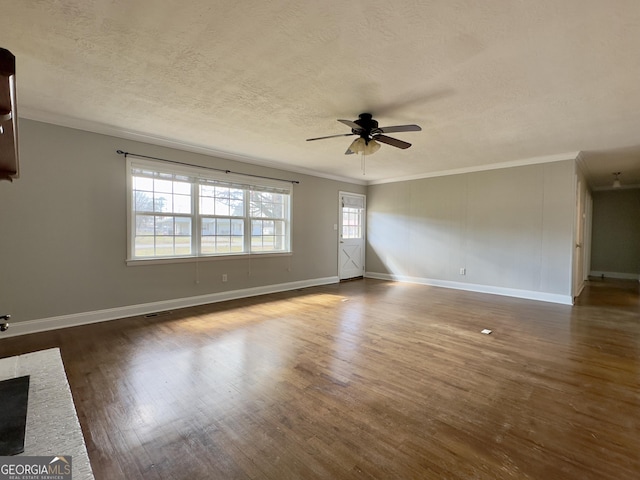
(618, 275)
(84, 318)
(471, 287)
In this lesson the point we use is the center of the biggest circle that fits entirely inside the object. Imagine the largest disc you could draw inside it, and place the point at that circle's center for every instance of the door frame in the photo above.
(581, 236)
(342, 193)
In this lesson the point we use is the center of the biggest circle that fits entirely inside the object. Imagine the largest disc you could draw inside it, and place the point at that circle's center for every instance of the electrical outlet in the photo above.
(463, 271)
(224, 277)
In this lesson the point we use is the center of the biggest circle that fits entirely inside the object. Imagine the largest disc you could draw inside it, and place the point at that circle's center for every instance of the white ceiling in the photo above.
(491, 82)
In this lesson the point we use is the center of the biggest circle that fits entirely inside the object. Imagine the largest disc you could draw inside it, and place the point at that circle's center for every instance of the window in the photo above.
(182, 211)
(351, 222)
(352, 216)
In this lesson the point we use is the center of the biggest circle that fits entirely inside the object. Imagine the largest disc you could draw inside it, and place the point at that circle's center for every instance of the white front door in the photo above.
(351, 236)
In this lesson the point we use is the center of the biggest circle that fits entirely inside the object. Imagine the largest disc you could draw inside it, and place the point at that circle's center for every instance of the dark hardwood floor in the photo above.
(364, 379)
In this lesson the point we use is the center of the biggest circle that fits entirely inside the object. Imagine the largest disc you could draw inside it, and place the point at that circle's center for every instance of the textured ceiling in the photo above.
(490, 82)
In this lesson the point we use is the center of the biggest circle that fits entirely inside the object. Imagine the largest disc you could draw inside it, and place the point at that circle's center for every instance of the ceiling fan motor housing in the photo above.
(368, 124)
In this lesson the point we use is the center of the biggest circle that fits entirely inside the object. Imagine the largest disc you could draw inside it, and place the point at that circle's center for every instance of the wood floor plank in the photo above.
(363, 379)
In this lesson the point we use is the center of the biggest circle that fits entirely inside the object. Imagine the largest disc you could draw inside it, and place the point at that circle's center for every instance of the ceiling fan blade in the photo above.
(330, 136)
(400, 128)
(351, 124)
(394, 142)
(349, 152)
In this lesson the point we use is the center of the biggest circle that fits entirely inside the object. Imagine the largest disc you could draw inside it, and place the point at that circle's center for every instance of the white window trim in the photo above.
(202, 172)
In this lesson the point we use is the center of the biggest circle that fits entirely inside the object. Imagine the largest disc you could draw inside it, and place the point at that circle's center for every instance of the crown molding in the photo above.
(103, 129)
(481, 168)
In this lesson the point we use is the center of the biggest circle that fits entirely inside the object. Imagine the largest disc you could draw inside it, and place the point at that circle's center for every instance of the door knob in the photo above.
(4, 322)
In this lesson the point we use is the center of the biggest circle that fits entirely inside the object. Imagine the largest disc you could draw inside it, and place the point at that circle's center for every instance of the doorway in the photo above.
(351, 238)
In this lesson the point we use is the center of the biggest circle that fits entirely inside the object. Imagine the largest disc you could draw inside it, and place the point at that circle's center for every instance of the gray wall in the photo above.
(509, 228)
(615, 248)
(64, 229)
(63, 238)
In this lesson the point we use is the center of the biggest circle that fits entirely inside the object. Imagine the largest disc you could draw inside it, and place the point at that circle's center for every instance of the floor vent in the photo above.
(157, 314)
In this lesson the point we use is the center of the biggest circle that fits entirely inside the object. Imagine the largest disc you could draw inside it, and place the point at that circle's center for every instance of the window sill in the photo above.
(209, 258)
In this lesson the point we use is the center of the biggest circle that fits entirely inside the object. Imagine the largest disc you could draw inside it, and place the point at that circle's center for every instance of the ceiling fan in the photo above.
(369, 134)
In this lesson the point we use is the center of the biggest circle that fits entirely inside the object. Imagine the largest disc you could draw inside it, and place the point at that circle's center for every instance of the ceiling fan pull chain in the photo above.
(362, 163)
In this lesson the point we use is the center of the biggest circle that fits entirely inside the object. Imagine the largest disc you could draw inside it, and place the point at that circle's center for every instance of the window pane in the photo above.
(237, 244)
(183, 245)
(143, 201)
(207, 190)
(162, 202)
(144, 247)
(222, 192)
(256, 243)
(164, 225)
(208, 245)
(182, 188)
(236, 207)
(223, 244)
(144, 225)
(143, 183)
(222, 206)
(268, 226)
(277, 210)
(207, 206)
(164, 246)
(267, 205)
(237, 227)
(163, 186)
(223, 227)
(208, 226)
(182, 204)
(183, 226)
(268, 242)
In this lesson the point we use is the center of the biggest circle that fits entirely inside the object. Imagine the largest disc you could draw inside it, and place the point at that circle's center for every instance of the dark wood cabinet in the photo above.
(8, 117)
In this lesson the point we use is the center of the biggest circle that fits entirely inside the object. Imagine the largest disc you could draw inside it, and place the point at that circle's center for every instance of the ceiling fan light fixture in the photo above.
(360, 145)
(356, 145)
(616, 180)
(372, 147)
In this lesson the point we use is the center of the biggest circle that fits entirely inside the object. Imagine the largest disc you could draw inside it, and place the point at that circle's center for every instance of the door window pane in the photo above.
(351, 222)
